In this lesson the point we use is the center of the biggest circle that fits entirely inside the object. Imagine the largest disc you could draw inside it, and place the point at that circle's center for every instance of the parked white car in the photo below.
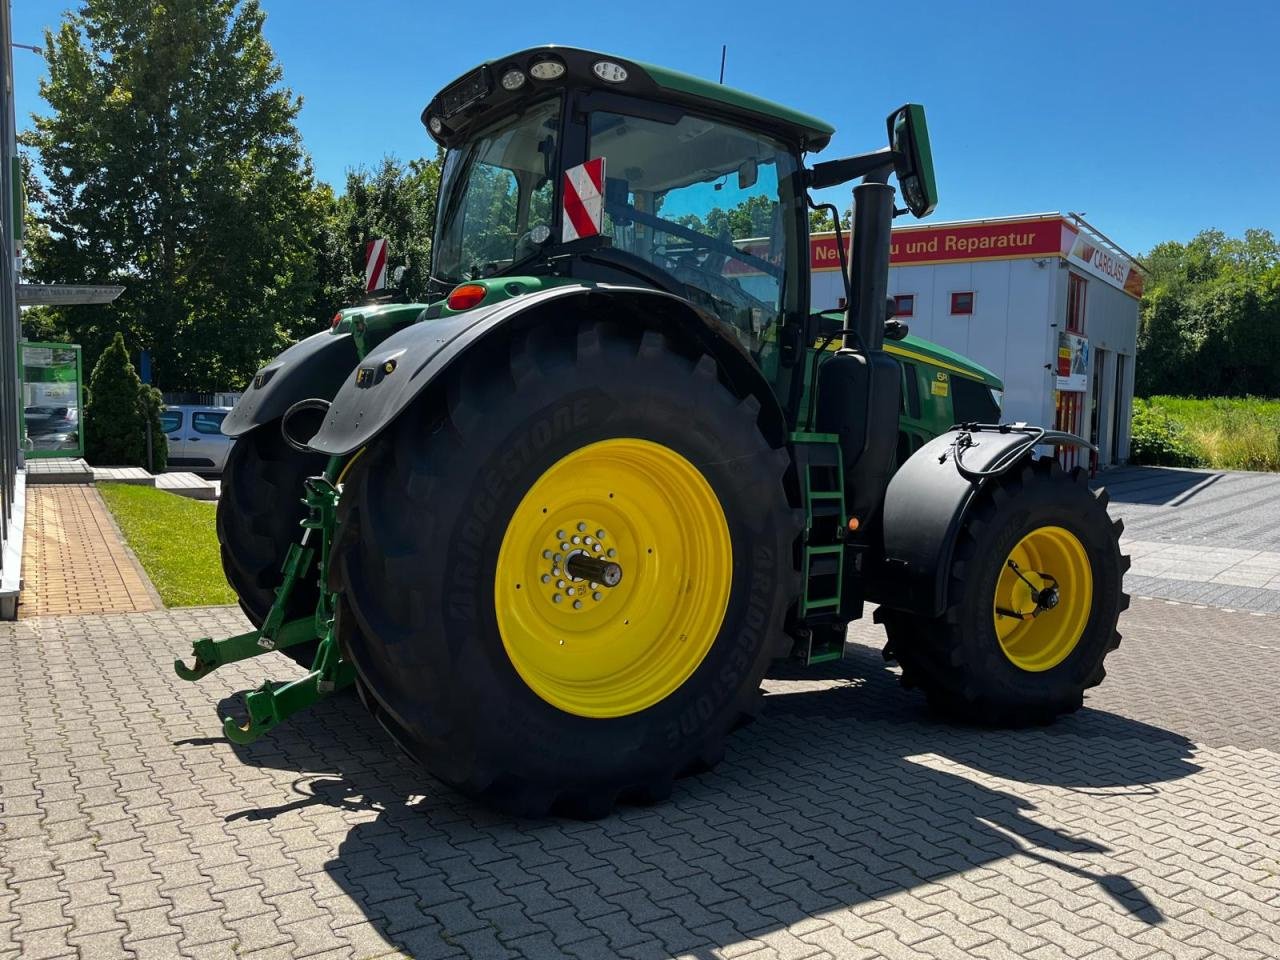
(196, 442)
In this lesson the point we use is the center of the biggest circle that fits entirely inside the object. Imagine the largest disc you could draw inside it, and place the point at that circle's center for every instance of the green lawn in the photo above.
(174, 538)
(1229, 433)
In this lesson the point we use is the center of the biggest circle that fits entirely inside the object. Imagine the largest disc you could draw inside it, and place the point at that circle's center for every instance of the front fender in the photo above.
(313, 367)
(924, 507)
(392, 376)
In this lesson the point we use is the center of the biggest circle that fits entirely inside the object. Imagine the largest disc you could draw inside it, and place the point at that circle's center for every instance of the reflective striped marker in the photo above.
(375, 265)
(583, 200)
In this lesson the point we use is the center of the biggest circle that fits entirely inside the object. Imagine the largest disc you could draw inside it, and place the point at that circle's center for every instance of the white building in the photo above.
(1044, 301)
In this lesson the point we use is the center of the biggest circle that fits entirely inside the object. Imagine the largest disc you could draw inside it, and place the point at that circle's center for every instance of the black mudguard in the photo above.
(315, 367)
(924, 507)
(392, 376)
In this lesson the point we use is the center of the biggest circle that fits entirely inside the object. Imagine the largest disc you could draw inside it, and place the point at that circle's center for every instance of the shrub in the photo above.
(1157, 439)
(118, 409)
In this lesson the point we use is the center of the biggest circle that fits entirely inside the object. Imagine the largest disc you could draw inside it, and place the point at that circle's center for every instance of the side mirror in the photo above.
(913, 159)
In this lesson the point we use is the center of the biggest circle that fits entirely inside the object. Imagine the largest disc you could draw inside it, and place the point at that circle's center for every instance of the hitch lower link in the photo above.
(276, 701)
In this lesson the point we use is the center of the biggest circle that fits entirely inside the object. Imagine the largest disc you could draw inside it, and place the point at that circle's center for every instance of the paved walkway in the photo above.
(845, 823)
(1200, 536)
(73, 559)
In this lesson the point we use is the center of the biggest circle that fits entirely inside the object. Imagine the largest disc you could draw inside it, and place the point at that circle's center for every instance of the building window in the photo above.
(904, 305)
(962, 304)
(1075, 302)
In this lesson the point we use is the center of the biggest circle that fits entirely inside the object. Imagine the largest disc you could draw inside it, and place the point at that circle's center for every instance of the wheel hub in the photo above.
(1043, 598)
(577, 565)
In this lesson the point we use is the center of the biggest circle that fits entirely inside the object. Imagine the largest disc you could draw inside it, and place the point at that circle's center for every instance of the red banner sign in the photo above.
(959, 242)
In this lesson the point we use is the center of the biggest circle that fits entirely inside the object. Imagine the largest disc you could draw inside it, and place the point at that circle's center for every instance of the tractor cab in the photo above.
(699, 194)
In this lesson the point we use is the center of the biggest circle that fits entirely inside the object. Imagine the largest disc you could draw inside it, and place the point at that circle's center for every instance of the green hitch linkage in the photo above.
(274, 701)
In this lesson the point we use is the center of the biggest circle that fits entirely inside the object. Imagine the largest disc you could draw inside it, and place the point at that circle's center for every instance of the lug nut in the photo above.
(582, 527)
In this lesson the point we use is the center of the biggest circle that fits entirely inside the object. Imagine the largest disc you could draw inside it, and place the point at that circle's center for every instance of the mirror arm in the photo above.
(831, 173)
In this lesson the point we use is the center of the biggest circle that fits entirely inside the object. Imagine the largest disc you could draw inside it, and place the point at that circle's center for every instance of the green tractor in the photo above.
(557, 522)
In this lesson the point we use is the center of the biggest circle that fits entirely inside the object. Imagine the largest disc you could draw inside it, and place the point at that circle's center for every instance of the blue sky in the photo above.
(1156, 120)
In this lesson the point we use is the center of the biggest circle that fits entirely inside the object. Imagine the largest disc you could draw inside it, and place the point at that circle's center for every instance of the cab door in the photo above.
(173, 423)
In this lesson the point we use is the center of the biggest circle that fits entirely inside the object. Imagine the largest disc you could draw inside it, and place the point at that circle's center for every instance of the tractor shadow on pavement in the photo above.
(845, 791)
(1156, 486)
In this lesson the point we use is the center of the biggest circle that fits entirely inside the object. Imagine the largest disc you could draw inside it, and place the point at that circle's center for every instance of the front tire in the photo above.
(1013, 646)
(503, 676)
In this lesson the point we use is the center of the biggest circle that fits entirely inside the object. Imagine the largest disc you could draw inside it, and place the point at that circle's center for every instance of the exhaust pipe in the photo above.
(869, 262)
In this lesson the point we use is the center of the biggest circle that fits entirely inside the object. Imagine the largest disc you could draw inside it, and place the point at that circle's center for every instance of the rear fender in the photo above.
(924, 509)
(314, 367)
(397, 372)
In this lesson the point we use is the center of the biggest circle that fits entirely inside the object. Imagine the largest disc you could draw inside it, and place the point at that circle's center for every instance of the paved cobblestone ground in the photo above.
(1200, 536)
(845, 823)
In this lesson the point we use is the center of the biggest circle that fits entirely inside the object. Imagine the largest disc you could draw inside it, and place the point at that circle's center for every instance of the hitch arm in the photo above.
(210, 654)
(274, 702)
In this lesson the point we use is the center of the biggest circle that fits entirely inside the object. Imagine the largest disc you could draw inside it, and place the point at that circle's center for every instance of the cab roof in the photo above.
(479, 95)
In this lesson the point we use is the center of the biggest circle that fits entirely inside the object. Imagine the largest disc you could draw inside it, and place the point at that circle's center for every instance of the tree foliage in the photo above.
(173, 167)
(397, 201)
(1210, 322)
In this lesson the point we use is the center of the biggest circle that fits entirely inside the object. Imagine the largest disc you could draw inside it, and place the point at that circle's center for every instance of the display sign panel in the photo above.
(52, 411)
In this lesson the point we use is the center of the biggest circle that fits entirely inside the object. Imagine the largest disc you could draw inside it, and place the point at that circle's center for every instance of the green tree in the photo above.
(1210, 320)
(397, 201)
(173, 166)
(118, 410)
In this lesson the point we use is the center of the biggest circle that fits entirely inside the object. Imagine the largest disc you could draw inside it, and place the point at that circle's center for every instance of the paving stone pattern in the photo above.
(73, 559)
(844, 823)
(1200, 536)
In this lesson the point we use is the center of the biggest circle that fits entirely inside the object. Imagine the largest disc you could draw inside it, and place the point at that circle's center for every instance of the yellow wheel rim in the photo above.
(1038, 636)
(600, 651)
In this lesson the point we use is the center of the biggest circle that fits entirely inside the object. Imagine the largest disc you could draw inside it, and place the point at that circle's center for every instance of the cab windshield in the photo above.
(496, 196)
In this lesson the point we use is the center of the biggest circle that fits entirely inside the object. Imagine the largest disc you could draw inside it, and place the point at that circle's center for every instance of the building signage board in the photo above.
(1105, 264)
(1074, 357)
(1013, 239)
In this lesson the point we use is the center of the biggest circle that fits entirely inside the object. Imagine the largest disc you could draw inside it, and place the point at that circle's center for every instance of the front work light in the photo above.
(547, 70)
(609, 72)
(512, 80)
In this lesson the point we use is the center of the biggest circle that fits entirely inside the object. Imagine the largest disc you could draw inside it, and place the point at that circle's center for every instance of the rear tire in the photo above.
(960, 660)
(259, 513)
(430, 542)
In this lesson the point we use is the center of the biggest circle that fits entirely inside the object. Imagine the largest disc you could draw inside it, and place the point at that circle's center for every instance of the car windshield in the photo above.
(496, 196)
(709, 203)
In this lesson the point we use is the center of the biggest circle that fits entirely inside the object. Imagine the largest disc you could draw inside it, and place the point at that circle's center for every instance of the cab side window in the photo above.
(170, 421)
(207, 422)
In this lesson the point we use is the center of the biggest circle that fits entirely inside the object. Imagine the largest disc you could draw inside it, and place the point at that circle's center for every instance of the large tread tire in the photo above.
(259, 513)
(421, 520)
(956, 659)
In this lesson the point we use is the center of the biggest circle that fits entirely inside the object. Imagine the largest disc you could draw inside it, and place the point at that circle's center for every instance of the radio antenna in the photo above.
(723, 49)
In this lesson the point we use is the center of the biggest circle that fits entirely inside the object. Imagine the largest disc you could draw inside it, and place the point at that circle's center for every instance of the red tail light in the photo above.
(466, 296)
(337, 319)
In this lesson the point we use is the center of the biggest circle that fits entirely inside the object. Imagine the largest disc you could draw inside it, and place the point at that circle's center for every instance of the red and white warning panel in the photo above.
(583, 200)
(375, 265)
